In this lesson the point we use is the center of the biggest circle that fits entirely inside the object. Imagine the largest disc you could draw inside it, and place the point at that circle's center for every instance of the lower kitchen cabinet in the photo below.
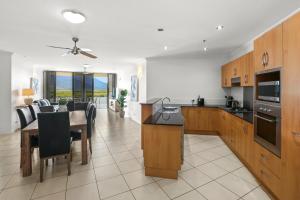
(200, 119)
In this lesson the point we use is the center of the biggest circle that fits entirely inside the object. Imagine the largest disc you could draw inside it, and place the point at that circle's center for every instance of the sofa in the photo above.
(46, 106)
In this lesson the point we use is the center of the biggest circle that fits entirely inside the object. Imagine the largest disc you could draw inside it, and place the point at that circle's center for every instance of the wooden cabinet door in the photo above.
(268, 50)
(247, 70)
(291, 109)
(249, 144)
(223, 78)
(259, 53)
(273, 47)
(235, 68)
(228, 74)
(190, 118)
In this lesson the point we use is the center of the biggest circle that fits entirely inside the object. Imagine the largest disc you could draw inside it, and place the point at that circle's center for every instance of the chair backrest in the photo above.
(54, 134)
(89, 119)
(34, 109)
(88, 107)
(24, 116)
(70, 106)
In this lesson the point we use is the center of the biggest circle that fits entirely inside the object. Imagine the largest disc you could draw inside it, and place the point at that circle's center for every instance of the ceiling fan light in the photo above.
(73, 16)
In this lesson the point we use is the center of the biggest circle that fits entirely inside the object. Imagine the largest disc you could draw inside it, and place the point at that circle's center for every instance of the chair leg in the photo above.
(69, 164)
(71, 154)
(41, 169)
(53, 161)
(90, 145)
(21, 159)
(46, 162)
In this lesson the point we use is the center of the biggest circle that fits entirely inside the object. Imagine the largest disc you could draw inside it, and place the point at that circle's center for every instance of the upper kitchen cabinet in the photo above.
(247, 70)
(226, 75)
(291, 109)
(268, 50)
(241, 67)
(235, 68)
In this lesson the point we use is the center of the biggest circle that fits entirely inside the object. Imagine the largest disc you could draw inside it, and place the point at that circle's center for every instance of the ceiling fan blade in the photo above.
(87, 54)
(58, 47)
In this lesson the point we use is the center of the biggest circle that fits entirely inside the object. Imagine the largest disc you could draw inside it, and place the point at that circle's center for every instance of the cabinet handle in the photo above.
(297, 134)
(267, 58)
(263, 59)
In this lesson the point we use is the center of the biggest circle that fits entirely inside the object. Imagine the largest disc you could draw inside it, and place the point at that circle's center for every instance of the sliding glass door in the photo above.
(78, 86)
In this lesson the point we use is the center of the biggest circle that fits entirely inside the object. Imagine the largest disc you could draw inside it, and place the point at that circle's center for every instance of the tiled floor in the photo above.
(115, 170)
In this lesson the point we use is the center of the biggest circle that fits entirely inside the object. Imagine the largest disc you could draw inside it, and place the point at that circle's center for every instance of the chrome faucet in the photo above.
(162, 102)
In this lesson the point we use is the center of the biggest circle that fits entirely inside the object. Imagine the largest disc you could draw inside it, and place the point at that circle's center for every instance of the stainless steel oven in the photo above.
(268, 91)
(267, 123)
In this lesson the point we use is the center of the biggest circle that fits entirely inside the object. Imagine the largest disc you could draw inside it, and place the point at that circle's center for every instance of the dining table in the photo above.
(77, 122)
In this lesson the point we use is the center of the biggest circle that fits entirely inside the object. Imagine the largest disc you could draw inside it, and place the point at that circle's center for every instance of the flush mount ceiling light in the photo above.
(205, 49)
(220, 27)
(73, 16)
(165, 48)
(86, 65)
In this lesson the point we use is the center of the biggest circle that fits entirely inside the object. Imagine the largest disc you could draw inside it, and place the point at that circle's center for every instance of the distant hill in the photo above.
(65, 83)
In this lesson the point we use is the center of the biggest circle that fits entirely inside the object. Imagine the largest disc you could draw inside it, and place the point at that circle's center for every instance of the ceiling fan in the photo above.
(75, 50)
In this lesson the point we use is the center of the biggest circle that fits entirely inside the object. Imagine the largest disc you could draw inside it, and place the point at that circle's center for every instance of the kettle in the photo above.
(235, 104)
(200, 101)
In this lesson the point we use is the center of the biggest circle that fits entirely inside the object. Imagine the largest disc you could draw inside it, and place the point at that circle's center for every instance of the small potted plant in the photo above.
(122, 102)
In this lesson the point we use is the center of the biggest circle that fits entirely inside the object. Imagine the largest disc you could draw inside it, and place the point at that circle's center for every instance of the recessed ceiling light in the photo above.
(160, 29)
(165, 48)
(205, 49)
(73, 16)
(220, 27)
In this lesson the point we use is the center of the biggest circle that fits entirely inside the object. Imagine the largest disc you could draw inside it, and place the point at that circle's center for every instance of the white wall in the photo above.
(21, 72)
(5, 89)
(183, 78)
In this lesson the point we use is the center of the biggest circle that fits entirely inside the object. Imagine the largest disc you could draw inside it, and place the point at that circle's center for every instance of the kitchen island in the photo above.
(162, 140)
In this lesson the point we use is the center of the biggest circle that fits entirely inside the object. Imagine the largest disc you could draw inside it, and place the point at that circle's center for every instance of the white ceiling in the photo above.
(124, 31)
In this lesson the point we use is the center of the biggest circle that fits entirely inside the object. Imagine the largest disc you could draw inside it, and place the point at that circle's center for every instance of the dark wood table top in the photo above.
(77, 119)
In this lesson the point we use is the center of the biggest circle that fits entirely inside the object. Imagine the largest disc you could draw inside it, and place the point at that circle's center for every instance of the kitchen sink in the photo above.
(170, 109)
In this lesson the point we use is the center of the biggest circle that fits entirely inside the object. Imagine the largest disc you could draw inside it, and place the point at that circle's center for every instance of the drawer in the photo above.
(268, 160)
(270, 180)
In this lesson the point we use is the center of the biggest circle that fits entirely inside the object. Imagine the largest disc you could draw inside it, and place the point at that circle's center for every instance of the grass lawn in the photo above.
(68, 93)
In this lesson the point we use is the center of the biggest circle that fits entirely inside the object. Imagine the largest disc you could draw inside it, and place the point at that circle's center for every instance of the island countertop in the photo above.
(172, 119)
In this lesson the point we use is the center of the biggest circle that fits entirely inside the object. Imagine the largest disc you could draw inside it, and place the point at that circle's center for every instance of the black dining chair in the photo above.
(76, 135)
(54, 138)
(34, 109)
(25, 117)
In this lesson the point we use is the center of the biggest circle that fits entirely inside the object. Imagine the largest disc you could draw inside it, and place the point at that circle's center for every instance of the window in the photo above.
(64, 85)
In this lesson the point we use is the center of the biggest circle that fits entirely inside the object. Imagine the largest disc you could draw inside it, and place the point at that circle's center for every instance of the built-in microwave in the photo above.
(268, 91)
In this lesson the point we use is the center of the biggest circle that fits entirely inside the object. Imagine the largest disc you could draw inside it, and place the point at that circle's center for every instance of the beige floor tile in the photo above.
(208, 155)
(85, 192)
(236, 184)
(111, 187)
(18, 180)
(257, 194)
(50, 186)
(123, 196)
(227, 164)
(106, 172)
(195, 160)
(56, 196)
(81, 178)
(137, 179)
(174, 188)
(149, 192)
(244, 173)
(129, 166)
(214, 191)
(212, 170)
(101, 161)
(123, 156)
(193, 195)
(18, 193)
(4, 180)
(194, 177)
(222, 150)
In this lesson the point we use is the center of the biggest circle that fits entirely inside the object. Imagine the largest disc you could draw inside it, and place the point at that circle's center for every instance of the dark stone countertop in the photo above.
(151, 101)
(170, 119)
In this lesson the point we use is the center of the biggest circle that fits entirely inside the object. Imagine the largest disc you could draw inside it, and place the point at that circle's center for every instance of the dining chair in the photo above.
(34, 109)
(25, 119)
(54, 137)
(76, 135)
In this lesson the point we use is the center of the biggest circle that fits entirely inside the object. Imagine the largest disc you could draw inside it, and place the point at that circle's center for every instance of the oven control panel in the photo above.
(267, 109)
